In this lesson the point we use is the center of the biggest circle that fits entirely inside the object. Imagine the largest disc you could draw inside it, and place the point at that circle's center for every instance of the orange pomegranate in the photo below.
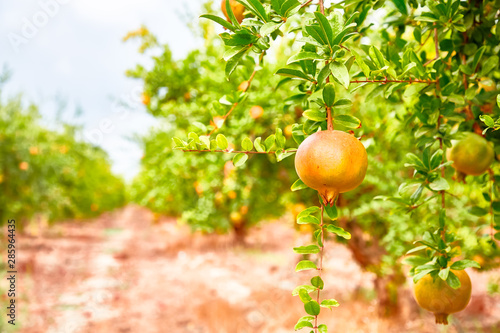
(244, 86)
(331, 162)
(436, 296)
(237, 8)
(256, 112)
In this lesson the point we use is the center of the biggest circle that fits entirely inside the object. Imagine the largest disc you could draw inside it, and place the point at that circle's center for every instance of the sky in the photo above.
(67, 57)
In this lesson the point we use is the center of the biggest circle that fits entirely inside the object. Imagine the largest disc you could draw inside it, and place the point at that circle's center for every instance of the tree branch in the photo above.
(390, 81)
(249, 83)
(230, 151)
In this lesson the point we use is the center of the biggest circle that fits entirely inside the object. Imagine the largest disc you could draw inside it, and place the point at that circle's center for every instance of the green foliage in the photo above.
(426, 75)
(51, 173)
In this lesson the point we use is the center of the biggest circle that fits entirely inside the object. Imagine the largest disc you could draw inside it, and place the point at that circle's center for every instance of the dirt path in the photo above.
(122, 273)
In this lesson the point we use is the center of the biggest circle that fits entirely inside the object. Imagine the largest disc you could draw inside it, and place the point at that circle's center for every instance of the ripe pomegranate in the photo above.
(435, 295)
(472, 155)
(256, 111)
(331, 162)
(237, 8)
(243, 86)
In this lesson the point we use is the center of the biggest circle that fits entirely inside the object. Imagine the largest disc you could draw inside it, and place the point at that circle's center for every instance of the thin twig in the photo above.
(249, 83)
(436, 46)
(492, 216)
(322, 6)
(320, 267)
(389, 81)
(230, 151)
(306, 3)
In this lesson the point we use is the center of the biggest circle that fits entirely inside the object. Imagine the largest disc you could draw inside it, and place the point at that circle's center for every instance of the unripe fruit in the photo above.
(256, 112)
(472, 155)
(237, 9)
(435, 295)
(331, 162)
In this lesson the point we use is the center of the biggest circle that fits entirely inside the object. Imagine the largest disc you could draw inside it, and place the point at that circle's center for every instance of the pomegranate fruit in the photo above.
(331, 162)
(472, 155)
(435, 295)
(238, 10)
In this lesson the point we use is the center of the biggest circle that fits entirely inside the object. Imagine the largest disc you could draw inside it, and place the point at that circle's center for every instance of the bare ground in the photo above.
(123, 273)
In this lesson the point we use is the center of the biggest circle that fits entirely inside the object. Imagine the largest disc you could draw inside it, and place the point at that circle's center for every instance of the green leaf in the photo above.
(423, 273)
(415, 260)
(304, 56)
(280, 155)
(339, 72)
(288, 6)
(329, 303)
(220, 21)
(305, 265)
(247, 144)
(258, 146)
(477, 57)
(304, 296)
(329, 95)
(302, 324)
(280, 138)
(416, 249)
(234, 61)
(338, 231)
(306, 287)
(498, 96)
(178, 143)
(314, 115)
(221, 141)
(463, 264)
(325, 27)
(323, 74)
(270, 141)
(477, 211)
(361, 63)
(230, 13)
(309, 211)
(240, 159)
(377, 57)
(307, 220)
(487, 120)
(443, 274)
(312, 308)
(453, 281)
(440, 184)
(347, 121)
(342, 103)
(317, 282)
(255, 7)
(466, 69)
(322, 328)
(413, 89)
(331, 211)
(298, 185)
(309, 249)
(489, 65)
(292, 73)
(401, 6)
(269, 28)
(205, 141)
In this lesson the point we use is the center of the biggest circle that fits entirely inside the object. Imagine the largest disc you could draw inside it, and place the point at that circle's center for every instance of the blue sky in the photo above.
(69, 55)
